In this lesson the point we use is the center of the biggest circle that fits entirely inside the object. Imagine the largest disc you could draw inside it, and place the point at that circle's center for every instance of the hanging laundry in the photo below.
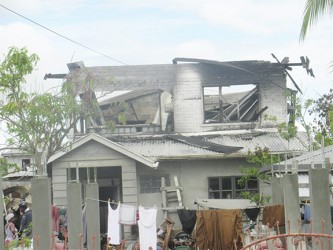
(272, 214)
(252, 213)
(127, 214)
(217, 229)
(188, 219)
(147, 228)
(113, 225)
(307, 213)
(84, 224)
(62, 223)
(55, 218)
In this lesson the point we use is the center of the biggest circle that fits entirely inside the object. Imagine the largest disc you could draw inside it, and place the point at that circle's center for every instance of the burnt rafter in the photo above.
(305, 62)
(204, 144)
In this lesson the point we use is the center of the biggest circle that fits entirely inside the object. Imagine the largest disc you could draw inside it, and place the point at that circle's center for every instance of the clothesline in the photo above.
(116, 203)
(158, 208)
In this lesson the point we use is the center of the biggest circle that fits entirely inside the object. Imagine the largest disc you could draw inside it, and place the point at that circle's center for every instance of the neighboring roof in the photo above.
(13, 152)
(19, 174)
(305, 161)
(315, 156)
(225, 203)
(113, 145)
(164, 147)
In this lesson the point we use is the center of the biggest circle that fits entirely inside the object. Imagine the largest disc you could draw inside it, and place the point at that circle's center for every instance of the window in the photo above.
(25, 164)
(152, 183)
(230, 104)
(228, 188)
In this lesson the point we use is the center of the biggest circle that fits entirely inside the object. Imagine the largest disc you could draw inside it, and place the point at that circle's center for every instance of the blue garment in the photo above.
(307, 213)
(25, 222)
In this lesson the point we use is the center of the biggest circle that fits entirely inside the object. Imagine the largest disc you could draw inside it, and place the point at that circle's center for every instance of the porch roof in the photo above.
(113, 145)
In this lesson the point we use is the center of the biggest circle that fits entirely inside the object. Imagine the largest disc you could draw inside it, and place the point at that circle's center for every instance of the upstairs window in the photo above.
(225, 104)
(25, 164)
(227, 187)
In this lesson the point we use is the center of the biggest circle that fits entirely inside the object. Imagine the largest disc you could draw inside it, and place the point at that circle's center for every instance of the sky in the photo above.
(139, 32)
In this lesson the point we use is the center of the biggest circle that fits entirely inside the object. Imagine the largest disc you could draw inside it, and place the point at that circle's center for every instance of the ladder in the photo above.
(171, 194)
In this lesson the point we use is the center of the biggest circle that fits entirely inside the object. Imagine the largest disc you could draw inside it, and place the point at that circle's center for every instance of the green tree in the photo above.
(322, 110)
(37, 123)
(313, 10)
(258, 158)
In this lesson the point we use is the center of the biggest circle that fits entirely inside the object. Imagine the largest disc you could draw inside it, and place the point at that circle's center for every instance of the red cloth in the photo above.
(55, 217)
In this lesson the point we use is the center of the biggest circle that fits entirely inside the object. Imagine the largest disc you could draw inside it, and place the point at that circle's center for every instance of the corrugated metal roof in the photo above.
(162, 147)
(316, 157)
(272, 140)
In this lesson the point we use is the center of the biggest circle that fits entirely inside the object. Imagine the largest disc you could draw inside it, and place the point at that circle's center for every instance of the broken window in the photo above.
(152, 183)
(224, 104)
(227, 187)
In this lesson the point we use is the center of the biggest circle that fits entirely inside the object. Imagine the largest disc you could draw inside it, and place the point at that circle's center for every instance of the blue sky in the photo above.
(155, 32)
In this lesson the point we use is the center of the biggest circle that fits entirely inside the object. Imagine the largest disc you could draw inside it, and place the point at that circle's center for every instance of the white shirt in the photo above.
(127, 214)
(113, 225)
(147, 228)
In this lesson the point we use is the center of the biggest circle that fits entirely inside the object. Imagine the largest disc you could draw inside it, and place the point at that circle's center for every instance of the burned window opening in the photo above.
(226, 104)
(291, 105)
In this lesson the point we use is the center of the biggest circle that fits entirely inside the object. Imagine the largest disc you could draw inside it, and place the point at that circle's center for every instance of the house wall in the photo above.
(93, 154)
(16, 159)
(188, 101)
(273, 95)
(192, 177)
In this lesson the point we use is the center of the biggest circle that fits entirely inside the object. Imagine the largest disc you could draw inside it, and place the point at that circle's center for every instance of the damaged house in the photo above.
(186, 125)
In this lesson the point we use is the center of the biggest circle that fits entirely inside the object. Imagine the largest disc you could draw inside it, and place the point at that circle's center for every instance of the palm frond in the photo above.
(313, 10)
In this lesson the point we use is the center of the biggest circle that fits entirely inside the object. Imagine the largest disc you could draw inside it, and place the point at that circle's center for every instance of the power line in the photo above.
(58, 34)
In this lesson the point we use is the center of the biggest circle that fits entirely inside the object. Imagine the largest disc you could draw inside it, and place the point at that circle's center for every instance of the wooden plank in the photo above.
(172, 209)
(178, 191)
(164, 197)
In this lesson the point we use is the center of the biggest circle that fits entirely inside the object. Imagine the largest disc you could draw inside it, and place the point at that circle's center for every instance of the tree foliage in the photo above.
(258, 158)
(322, 110)
(313, 10)
(37, 123)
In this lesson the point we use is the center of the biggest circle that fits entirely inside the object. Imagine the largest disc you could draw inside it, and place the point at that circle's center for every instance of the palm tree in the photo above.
(313, 10)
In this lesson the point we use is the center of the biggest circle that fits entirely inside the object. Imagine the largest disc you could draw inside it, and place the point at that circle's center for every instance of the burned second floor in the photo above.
(189, 95)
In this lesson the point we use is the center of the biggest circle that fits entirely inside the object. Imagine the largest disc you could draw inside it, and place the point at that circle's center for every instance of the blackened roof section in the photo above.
(204, 144)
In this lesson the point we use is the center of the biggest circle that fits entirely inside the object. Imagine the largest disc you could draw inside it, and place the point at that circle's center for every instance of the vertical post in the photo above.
(41, 211)
(92, 215)
(277, 191)
(291, 204)
(320, 201)
(164, 197)
(88, 175)
(95, 175)
(2, 240)
(74, 214)
(221, 104)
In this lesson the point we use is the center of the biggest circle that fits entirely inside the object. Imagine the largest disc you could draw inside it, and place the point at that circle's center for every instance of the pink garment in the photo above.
(55, 217)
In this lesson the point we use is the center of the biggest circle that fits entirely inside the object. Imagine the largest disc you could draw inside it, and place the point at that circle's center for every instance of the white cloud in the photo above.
(246, 30)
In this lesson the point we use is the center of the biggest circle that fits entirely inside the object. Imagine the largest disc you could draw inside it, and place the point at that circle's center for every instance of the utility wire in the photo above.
(69, 39)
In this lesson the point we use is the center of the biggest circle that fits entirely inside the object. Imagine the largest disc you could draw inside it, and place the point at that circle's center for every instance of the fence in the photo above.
(301, 241)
